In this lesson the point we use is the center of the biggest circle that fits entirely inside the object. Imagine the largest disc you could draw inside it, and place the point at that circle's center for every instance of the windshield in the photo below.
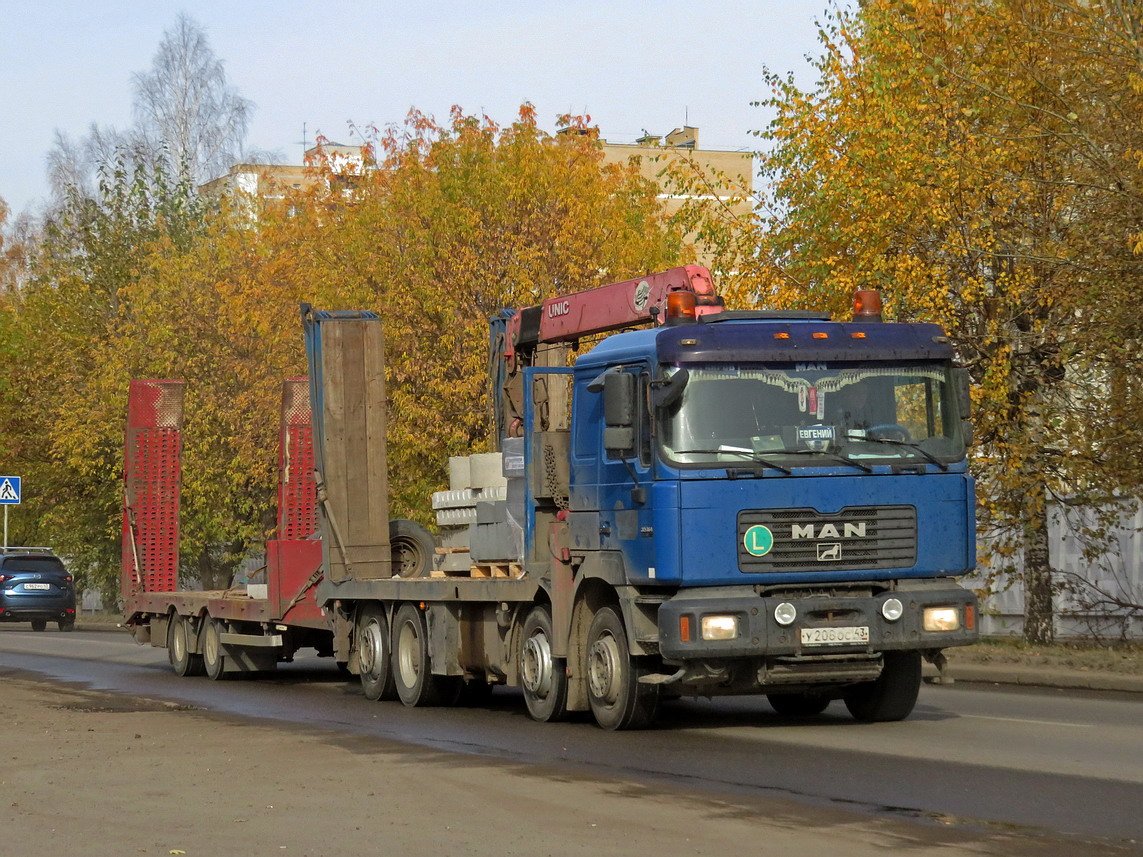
(812, 415)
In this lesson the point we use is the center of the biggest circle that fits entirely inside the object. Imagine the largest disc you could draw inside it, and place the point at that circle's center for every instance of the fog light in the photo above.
(941, 619)
(719, 627)
(892, 608)
(785, 613)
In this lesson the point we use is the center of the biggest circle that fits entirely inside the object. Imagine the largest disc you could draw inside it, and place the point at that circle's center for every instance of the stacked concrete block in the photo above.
(477, 493)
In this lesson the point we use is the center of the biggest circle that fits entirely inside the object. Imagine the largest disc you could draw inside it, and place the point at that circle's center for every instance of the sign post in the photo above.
(9, 496)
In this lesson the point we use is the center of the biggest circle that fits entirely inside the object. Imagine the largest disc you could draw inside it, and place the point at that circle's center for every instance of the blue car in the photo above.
(36, 587)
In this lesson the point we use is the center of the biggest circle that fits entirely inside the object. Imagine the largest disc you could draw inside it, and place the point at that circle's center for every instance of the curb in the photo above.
(1013, 674)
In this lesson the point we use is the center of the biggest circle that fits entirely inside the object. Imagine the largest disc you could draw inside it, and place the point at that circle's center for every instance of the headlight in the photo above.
(785, 613)
(719, 627)
(892, 608)
(941, 619)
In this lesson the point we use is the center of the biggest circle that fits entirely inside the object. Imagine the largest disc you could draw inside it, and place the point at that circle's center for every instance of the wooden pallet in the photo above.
(485, 571)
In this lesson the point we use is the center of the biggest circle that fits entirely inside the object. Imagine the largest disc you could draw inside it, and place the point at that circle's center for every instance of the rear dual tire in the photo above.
(375, 663)
(213, 657)
(412, 668)
(183, 661)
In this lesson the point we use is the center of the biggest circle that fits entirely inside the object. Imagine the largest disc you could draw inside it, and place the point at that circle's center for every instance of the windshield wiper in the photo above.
(753, 456)
(836, 456)
(928, 456)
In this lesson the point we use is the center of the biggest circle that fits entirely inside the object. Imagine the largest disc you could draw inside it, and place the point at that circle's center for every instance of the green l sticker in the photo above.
(758, 540)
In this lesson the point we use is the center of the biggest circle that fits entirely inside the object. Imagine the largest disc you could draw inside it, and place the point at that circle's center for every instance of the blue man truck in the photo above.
(722, 502)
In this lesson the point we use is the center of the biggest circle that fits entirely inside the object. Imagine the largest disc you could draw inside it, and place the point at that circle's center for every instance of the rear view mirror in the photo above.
(667, 391)
(963, 384)
(619, 413)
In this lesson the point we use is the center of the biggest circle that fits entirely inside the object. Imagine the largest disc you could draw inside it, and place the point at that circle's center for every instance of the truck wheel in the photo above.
(617, 699)
(894, 693)
(183, 661)
(797, 704)
(543, 677)
(412, 548)
(213, 659)
(372, 637)
(411, 669)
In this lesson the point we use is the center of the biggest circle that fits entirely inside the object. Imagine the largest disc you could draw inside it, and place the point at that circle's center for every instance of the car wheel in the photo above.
(184, 662)
(797, 704)
(544, 678)
(39, 624)
(213, 657)
(412, 670)
(894, 693)
(375, 665)
(66, 624)
(617, 699)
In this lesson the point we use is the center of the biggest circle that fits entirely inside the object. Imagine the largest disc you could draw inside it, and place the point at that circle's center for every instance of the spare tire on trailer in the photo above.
(412, 548)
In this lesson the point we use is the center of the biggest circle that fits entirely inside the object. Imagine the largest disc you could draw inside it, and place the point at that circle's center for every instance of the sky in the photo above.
(316, 68)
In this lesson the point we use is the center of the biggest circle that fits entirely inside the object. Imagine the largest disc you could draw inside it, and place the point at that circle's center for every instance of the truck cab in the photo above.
(790, 493)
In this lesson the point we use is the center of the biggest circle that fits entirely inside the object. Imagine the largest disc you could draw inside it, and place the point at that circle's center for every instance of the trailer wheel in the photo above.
(797, 704)
(411, 670)
(375, 665)
(894, 693)
(412, 548)
(184, 662)
(617, 699)
(213, 659)
(543, 677)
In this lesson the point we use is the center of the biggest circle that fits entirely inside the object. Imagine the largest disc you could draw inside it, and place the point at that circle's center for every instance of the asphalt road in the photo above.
(1066, 768)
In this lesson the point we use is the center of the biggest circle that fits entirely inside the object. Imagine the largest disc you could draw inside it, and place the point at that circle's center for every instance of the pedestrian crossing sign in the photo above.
(9, 490)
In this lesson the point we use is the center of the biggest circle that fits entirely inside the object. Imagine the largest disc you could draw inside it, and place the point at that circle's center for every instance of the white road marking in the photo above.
(1036, 722)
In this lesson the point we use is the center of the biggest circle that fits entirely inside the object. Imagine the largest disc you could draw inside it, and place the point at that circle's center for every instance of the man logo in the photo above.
(828, 531)
(829, 552)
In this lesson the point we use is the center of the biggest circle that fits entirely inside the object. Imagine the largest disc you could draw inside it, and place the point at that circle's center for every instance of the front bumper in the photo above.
(759, 635)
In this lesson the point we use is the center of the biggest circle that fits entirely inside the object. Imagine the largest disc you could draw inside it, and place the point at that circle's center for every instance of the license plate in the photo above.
(835, 636)
(37, 586)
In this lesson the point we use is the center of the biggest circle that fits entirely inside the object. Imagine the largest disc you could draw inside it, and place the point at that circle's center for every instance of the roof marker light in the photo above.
(681, 307)
(867, 305)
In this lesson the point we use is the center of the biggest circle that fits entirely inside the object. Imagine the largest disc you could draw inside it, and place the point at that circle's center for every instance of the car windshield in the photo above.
(812, 414)
(32, 563)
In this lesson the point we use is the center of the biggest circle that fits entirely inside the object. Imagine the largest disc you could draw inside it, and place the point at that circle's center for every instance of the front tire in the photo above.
(373, 656)
(184, 662)
(617, 699)
(797, 704)
(894, 693)
(543, 677)
(412, 672)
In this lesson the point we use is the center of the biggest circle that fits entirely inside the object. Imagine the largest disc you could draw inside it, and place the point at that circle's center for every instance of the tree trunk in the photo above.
(1039, 625)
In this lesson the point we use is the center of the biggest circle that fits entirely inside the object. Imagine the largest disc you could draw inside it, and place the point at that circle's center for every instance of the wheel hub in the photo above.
(537, 666)
(603, 669)
(372, 648)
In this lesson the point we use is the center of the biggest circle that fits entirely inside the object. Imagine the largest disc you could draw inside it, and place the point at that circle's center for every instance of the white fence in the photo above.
(1118, 573)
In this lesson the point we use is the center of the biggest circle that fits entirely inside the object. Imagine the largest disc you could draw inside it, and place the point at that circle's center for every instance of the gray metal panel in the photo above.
(432, 589)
